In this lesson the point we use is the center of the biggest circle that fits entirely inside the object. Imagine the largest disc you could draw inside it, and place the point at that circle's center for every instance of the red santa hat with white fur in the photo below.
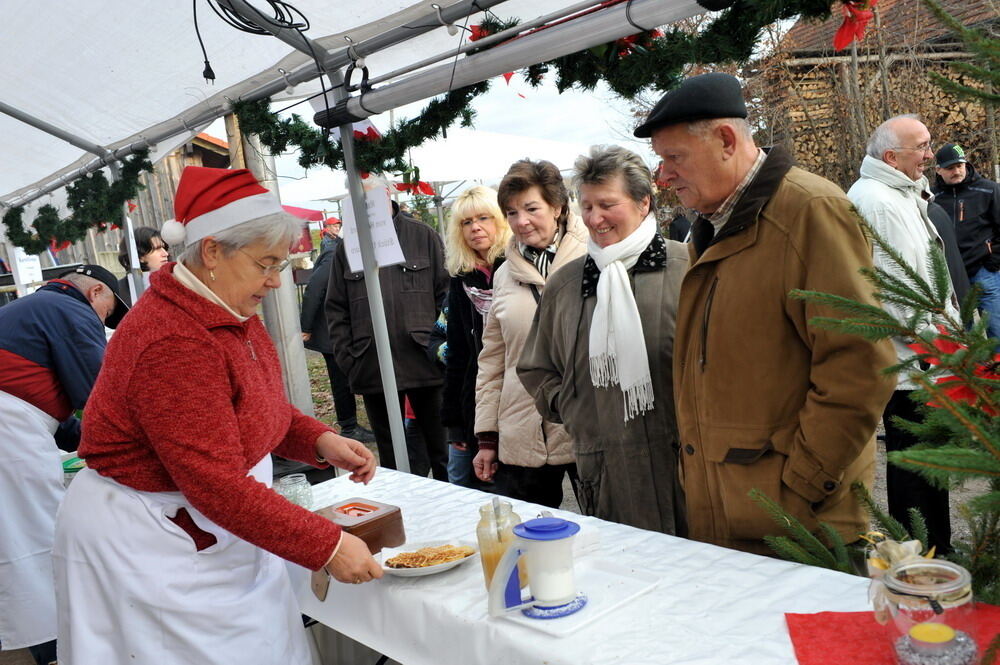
(211, 200)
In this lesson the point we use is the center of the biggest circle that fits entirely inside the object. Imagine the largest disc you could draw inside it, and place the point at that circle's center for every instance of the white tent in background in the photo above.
(469, 154)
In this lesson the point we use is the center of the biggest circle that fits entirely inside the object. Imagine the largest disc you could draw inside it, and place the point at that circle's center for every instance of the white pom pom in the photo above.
(172, 232)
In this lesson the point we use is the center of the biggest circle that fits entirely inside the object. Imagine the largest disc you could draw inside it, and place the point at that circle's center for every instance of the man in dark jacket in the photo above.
(974, 205)
(412, 293)
(316, 335)
(51, 348)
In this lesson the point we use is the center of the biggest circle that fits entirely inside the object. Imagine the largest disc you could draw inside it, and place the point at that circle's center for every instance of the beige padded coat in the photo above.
(502, 403)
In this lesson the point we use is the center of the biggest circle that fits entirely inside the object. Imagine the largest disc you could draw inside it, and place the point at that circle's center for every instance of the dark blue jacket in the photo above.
(51, 347)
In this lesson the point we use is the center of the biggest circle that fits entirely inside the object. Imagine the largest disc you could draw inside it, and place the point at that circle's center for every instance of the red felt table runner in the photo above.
(856, 638)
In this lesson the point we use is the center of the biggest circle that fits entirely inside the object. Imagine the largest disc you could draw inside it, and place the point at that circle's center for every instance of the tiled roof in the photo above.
(905, 22)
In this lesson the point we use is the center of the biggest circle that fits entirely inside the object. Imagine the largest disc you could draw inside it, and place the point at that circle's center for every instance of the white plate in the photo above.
(388, 553)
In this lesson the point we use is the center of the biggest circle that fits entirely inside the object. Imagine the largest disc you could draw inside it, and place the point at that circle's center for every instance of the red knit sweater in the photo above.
(190, 399)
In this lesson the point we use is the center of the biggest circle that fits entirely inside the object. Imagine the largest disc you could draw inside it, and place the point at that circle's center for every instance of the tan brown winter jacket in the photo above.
(764, 398)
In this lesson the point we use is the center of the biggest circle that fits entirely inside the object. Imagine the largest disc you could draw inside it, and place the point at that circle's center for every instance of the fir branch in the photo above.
(795, 529)
(865, 329)
(942, 463)
(846, 305)
(884, 522)
(842, 560)
(959, 413)
(918, 527)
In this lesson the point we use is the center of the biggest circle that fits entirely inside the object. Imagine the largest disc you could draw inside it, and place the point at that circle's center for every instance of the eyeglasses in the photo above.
(269, 270)
(923, 147)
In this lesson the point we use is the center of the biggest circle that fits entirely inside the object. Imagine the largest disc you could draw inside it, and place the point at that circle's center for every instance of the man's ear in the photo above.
(889, 157)
(727, 135)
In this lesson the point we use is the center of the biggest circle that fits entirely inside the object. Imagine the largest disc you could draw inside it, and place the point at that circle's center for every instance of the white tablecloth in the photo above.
(712, 606)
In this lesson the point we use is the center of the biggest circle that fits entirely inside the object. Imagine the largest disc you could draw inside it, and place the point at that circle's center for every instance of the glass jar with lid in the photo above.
(930, 612)
(296, 488)
(495, 533)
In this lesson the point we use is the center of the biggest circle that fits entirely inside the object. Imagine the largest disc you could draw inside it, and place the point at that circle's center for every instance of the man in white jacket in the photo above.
(892, 196)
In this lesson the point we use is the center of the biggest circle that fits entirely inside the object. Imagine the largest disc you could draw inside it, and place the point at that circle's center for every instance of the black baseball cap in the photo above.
(714, 95)
(949, 155)
(107, 278)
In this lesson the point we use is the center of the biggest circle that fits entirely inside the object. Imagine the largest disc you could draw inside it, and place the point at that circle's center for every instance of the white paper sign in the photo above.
(27, 269)
(385, 242)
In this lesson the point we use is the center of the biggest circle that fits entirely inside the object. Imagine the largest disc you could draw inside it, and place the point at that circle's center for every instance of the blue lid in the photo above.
(546, 528)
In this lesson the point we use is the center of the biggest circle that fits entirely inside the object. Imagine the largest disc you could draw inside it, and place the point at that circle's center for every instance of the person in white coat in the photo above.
(892, 195)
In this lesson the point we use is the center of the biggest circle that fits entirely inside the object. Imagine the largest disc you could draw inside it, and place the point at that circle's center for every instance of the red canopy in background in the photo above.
(304, 243)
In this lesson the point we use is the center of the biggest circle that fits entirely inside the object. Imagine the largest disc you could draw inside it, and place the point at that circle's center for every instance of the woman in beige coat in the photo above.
(534, 455)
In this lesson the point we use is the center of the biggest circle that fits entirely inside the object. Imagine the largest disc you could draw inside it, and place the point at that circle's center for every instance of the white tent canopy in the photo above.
(116, 74)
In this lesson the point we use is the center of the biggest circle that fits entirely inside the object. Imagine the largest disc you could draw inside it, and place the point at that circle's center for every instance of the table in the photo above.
(712, 606)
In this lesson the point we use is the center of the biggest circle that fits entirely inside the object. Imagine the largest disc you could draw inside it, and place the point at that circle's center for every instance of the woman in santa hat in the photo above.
(169, 546)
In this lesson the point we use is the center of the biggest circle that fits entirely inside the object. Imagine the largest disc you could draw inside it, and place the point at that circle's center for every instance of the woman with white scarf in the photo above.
(600, 353)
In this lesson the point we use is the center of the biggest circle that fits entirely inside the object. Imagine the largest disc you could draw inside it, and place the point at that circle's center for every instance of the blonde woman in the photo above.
(474, 249)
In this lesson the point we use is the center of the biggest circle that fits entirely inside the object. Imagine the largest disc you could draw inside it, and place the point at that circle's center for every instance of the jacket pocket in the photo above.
(755, 464)
(705, 320)
(421, 338)
(416, 275)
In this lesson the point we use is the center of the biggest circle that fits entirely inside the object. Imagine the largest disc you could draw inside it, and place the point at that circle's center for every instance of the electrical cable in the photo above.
(207, 72)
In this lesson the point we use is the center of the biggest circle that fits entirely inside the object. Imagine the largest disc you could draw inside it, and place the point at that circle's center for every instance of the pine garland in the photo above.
(384, 155)
(93, 200)
(629, 66)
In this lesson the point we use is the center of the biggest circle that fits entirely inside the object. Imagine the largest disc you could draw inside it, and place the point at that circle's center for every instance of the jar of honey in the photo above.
(495, 533)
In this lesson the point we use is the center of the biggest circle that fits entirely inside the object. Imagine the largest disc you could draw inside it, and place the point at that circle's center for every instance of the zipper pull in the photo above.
(250, 346)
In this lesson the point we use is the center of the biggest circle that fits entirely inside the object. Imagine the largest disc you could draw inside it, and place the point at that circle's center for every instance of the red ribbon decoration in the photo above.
(132, 205)
(418, 187)
(857, 13)
(959, 390)
(370, 135)
(60, 246)
(477, 33)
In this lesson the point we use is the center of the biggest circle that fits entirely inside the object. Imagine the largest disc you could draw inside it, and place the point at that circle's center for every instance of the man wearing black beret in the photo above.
(764, 399)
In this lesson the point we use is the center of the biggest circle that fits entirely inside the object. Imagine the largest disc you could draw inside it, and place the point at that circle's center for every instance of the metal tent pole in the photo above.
(372, 282)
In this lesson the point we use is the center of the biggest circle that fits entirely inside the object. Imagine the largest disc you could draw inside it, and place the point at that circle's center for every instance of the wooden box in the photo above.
(378, 524)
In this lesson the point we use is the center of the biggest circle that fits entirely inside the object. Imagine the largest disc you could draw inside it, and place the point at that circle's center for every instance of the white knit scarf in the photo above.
(617, 346)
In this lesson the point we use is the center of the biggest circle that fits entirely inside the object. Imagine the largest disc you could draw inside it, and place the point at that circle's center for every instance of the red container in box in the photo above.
(378, 524)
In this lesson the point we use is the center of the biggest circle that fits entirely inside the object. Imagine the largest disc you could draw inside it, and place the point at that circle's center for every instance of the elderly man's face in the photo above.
(913, 153)
(692, 165)
(954, 174)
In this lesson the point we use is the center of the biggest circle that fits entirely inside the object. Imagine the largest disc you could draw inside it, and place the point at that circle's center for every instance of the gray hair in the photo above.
(885, 136)
(605, 162)
(703, 128)
(278, 228)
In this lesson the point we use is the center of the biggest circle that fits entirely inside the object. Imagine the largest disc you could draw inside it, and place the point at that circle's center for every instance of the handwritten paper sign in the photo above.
(385, 242)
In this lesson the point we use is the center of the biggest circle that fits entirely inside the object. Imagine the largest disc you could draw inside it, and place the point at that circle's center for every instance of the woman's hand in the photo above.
(353, 563)
(347, 454)
(461, 446)
(485, 464)
(306, 336)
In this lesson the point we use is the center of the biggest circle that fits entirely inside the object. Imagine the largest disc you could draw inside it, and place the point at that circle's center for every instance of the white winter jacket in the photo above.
(896, 208)
(502, 403)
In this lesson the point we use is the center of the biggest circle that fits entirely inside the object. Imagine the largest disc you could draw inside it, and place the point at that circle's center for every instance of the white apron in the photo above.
(132, 589)
(31, 487)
